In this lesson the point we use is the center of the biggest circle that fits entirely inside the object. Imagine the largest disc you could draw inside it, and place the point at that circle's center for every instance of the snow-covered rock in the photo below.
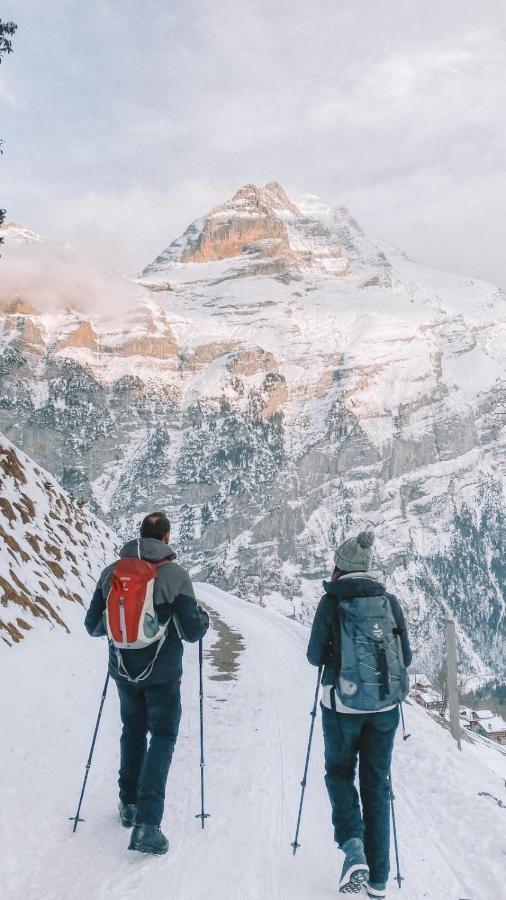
(335, 383)
(53, 549)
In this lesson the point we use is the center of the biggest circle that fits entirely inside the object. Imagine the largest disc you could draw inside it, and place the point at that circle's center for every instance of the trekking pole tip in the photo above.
(295, 846)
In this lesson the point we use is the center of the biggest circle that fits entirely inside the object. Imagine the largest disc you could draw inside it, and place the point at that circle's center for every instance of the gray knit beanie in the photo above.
(356, 554)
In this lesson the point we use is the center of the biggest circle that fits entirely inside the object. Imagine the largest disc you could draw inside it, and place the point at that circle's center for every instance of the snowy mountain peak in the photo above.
(259, 231)
(253, 200)
(13, 232)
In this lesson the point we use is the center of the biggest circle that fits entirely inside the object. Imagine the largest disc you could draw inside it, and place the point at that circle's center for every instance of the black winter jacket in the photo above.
(174, 598)
(325, 642)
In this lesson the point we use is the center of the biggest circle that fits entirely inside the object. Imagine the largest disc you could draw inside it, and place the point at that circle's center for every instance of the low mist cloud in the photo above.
(53, 277)
(132, 226)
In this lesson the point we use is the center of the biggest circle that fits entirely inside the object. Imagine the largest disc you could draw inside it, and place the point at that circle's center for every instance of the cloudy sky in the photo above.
(123, 121)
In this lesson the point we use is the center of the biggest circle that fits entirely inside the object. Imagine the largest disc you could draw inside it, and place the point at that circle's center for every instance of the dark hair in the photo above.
(155, 525)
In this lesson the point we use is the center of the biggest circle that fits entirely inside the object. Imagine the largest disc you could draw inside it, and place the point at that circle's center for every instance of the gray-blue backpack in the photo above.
(373, 675)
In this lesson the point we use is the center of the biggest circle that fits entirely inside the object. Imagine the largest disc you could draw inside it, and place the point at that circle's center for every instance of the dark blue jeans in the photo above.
(143, 770)
(368, 738)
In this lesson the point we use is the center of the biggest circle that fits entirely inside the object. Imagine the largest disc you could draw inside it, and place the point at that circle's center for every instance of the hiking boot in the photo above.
(127, 813)
(355, 869)
(148, 839)
(376, 889)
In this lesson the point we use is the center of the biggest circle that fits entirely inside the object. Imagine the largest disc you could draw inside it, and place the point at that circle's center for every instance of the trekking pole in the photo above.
(404, 735)
(201, 815)
(75, 819)
(399, 879)
(295, 843)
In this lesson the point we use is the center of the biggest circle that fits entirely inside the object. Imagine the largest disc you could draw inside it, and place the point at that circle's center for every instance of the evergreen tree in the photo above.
(7, 29)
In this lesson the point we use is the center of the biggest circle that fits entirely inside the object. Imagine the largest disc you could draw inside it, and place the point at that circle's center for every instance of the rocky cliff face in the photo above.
(284, 380)
(53, 550)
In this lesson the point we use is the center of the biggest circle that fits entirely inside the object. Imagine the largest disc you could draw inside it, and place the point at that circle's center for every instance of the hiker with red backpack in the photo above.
(359, 636)
(146, 606)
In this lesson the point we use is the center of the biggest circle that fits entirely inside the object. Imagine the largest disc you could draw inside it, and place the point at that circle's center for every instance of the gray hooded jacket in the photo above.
(175, 602)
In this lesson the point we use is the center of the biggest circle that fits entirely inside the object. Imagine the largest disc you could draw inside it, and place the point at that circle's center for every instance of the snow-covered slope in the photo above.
(259, 691)
(15, 233)
(52, 550)
(284, 380)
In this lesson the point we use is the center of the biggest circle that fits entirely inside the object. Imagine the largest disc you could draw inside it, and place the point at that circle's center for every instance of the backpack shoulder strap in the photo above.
(335, 620)
(398, 631)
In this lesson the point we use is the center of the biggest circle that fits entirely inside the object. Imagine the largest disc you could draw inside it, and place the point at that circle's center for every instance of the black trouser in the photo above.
(370, 738)
(144, 769)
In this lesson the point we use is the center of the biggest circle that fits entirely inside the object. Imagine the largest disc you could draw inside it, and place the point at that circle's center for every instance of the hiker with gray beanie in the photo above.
(359, 636)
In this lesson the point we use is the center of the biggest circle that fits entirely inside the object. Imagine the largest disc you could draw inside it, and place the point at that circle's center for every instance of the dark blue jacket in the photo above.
(174, 599)
(325, 642)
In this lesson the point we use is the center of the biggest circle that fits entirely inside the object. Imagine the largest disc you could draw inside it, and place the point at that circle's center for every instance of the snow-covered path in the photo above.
(256, 732)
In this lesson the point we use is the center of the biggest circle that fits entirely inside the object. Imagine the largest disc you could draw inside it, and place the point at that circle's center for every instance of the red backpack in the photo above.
(131, 617)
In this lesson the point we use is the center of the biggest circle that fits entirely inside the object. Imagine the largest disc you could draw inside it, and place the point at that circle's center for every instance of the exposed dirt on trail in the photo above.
(224, 654)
